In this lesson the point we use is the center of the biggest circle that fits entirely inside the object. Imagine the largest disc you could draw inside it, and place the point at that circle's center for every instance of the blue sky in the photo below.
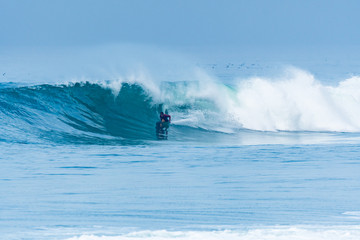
(179, 23)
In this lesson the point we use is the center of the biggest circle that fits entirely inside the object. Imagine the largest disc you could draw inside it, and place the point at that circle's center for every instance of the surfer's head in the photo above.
(161, 113)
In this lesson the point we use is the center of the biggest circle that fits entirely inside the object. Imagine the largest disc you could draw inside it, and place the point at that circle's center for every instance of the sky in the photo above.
(177, 23)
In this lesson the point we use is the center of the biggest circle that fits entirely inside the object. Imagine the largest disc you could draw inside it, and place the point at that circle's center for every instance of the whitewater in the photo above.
(254, 151)
(128, 109)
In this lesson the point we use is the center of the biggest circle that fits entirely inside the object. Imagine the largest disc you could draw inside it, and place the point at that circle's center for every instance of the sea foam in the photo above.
(273, 233)
(293, 102)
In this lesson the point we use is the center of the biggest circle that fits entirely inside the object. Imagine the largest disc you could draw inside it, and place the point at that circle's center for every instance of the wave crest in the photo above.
(78, 111)
(116, 111)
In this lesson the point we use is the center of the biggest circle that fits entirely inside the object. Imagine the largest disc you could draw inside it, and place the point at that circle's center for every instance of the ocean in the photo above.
(249, 154)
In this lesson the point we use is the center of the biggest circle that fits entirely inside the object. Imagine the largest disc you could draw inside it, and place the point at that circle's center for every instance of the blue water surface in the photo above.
(167, 185)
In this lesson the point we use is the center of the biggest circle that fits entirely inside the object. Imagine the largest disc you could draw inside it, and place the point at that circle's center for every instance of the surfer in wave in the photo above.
(163, 125)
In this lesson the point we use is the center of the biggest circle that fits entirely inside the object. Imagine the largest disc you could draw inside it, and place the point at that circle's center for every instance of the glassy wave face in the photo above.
(81, 112)
(96, 113)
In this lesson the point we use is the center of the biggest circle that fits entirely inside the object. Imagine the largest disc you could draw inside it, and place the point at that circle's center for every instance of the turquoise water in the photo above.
(256, 158)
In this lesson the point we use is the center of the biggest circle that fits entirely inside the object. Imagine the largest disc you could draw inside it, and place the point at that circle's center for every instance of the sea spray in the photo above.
(298, 103)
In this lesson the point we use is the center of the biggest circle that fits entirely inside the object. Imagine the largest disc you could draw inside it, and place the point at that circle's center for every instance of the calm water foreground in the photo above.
(167, 190)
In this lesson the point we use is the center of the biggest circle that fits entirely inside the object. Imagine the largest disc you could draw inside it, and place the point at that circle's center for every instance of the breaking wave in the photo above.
(122, 111)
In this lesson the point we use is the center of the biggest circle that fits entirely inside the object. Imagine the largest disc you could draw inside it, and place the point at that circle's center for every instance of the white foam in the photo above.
(269, 233)
(299, 103)
(293, 102)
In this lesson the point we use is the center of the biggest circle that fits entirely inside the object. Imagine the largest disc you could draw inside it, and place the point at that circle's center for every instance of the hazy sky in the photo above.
(179, 23)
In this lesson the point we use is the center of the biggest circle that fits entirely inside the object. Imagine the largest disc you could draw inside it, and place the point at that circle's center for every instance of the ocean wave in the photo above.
(77, 111)
(293, 102)
(128, 110)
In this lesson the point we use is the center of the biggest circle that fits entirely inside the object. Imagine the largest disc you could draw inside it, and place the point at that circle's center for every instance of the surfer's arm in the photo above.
(167, 115)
